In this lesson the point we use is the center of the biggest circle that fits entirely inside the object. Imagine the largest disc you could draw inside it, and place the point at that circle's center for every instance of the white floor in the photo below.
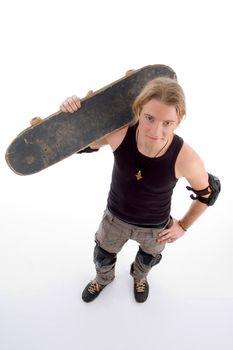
(46, 244)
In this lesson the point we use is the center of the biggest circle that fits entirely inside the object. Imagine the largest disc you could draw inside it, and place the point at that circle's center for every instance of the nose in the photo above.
(157, 129)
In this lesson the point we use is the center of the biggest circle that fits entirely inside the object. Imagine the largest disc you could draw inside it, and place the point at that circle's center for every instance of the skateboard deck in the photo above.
(62, 134)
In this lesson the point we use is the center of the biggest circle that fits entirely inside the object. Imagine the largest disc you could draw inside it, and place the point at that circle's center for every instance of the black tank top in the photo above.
(146, 201)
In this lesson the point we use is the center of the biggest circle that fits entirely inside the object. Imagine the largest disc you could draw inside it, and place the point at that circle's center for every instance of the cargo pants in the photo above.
(111, 236)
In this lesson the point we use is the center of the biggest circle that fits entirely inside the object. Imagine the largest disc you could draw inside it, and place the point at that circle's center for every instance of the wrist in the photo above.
(182, 225)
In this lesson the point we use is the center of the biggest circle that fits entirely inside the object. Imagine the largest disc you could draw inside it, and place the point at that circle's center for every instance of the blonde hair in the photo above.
(162, 89)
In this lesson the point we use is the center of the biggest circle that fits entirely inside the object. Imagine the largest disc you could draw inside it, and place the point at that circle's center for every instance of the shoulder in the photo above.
(113, 139)
(190, 165)
(187, 153)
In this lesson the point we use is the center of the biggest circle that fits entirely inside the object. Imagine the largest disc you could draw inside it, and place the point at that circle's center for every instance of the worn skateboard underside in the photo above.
(63, 134)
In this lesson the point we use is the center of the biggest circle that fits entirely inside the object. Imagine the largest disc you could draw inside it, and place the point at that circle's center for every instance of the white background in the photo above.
(51, 50)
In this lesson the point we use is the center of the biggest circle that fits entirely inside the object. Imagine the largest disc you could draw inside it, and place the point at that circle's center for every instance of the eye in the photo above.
(149, 118)
(168, 123)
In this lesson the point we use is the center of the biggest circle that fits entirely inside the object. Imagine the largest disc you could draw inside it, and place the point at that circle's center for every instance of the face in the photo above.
(157, 122)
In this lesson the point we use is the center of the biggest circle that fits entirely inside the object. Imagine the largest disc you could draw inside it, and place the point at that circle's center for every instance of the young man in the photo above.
(149, 158)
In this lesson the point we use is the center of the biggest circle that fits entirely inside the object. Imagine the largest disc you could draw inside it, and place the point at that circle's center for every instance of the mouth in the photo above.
(155, 138)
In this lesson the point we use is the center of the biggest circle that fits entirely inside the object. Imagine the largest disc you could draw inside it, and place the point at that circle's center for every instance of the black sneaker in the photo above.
(141, 290)
(91, 291)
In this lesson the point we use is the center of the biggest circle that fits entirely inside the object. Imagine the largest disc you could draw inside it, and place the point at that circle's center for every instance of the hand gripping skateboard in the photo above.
(50, 140)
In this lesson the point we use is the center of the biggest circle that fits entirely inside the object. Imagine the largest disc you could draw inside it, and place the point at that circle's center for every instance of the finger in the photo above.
(64, 107)
(168, 240)
(163, 238)
(61, 108)
(71, 104)
(163, 233)
(90, 93)
(75, 102)
(67, 106)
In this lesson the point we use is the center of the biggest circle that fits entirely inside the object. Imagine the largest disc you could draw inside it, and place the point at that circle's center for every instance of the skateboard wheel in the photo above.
(36, 121)
(129, 72)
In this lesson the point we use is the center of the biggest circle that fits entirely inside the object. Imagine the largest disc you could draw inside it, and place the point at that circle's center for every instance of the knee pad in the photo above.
(102, 257)
(148, 259)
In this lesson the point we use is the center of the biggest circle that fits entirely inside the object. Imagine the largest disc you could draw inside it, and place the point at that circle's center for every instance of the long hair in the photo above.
(162, 89)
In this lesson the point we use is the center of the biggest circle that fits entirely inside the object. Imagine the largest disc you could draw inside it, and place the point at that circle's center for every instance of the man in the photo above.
(149, 158)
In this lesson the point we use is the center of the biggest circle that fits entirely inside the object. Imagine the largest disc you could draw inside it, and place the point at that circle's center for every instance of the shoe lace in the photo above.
(94, 287)
(141, 285)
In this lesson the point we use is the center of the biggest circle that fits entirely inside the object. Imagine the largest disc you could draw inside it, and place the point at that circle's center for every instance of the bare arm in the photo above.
(190, 166)
(73, 103)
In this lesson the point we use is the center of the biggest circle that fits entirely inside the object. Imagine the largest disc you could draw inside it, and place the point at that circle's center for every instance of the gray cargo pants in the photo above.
(112, 234)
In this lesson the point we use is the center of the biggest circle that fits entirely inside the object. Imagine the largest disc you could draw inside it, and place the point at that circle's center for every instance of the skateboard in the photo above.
(52, 139)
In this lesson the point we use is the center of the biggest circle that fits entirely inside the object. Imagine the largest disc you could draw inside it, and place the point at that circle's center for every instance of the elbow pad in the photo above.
(213, 189)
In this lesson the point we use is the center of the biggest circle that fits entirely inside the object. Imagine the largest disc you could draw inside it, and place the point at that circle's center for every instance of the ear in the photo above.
(138, 116)
(178, 124)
